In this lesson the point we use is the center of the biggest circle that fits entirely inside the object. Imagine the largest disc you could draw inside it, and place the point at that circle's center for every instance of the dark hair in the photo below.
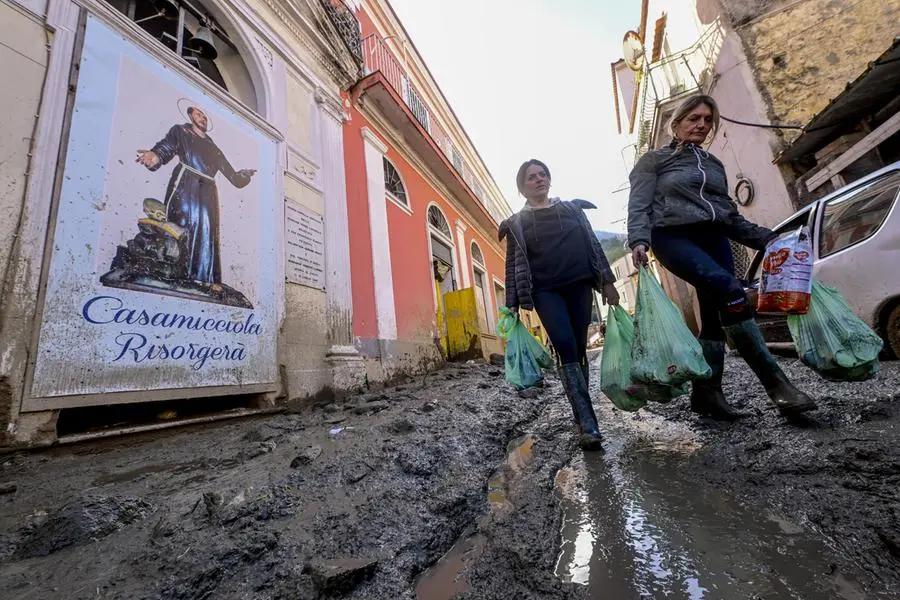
(520, 176)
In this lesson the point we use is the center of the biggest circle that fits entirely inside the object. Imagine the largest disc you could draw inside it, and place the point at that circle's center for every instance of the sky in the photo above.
(531, 79)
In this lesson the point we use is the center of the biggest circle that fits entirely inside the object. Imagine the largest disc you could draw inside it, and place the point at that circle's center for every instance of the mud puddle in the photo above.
(447, 578)
(635, 526)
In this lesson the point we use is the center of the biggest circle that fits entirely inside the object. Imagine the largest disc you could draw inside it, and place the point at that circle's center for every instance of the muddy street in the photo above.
(453, 485)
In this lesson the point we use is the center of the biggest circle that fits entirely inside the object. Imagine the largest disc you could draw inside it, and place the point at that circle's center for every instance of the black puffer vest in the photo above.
(519, 284)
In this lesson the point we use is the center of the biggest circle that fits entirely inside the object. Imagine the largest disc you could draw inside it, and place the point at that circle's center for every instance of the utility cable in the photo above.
(761, 125)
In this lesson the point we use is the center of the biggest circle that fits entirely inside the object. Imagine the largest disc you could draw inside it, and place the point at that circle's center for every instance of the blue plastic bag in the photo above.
(615, 368)
(665, 352)
(832, 340)
(525, 356)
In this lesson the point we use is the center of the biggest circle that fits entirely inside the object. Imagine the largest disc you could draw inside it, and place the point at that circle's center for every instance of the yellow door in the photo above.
(441, 319)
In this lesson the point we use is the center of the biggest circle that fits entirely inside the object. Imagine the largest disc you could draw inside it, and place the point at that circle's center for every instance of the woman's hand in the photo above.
(639, 256)
(610, 294)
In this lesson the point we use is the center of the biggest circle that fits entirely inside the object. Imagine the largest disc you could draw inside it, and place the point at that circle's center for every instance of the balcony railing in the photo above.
(346, 23)
(379, 58)
(672, 77)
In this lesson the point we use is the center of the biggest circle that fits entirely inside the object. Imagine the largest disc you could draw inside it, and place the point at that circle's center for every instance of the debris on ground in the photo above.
(285, 506)
(295, 506)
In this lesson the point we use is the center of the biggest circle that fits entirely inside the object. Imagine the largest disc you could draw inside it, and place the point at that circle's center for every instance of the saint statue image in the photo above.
(177, 250)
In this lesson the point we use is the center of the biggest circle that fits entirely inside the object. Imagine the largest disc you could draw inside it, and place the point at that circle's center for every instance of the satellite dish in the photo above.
(633, 51)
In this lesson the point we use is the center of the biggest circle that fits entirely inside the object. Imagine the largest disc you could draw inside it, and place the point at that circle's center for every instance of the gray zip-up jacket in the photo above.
(684, 187)
(519, 285)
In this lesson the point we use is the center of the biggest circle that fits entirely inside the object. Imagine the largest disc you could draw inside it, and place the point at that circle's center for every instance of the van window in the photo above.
(855, 217)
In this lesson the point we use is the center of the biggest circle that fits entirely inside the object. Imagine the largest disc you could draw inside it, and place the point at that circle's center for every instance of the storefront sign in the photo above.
(161, 274)
(304, 246)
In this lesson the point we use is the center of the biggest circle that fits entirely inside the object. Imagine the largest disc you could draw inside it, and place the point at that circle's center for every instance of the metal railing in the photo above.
(346, 23)
(378, 57)
(672, 77)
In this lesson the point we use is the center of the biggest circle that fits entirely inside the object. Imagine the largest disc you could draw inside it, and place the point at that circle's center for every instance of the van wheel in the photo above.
(892, 332)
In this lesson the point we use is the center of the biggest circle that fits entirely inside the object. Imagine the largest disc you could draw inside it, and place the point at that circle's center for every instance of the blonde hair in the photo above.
(689, 104)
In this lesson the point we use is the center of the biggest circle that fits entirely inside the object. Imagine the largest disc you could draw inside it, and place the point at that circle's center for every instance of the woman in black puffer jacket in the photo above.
(554, 263)
(679, 206)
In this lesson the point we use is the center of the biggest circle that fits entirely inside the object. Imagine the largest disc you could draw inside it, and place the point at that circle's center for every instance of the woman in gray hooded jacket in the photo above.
(554, 262)
(679, 206)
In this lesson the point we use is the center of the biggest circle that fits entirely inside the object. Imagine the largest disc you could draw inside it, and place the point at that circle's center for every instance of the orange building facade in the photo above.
(423, 209)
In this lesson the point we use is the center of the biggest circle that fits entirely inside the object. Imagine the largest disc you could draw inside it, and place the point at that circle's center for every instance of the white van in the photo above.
(856, 248)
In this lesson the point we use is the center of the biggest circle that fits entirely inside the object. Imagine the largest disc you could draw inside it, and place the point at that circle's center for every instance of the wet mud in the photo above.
(454, 486)
(762, 508)
(354, 500)
(636, 526)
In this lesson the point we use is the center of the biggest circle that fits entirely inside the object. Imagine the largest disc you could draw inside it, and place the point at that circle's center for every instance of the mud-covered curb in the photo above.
(353, 500)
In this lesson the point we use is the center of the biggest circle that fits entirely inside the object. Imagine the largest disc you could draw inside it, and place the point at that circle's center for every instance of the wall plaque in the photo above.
(304, 246)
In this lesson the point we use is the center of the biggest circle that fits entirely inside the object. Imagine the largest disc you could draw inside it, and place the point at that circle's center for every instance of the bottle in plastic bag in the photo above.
(665, 352)
(786, 282)
(525, 357)
(832, 340)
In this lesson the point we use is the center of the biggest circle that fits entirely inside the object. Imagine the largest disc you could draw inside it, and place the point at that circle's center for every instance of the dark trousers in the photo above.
(565, 313)
(701, 255)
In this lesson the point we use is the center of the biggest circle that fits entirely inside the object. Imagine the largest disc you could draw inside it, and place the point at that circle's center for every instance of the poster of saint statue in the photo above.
(177, 250)
(163, 268)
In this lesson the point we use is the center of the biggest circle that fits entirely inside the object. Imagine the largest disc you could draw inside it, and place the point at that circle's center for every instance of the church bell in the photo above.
(202, 44)
(167, 9)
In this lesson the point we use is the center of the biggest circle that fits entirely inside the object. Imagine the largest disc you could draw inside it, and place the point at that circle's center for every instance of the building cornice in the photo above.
(341, 66)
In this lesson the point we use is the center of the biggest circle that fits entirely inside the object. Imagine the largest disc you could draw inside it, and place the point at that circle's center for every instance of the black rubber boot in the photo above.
(576, 389)
(707, 397)
(752, 347)
(586, 371)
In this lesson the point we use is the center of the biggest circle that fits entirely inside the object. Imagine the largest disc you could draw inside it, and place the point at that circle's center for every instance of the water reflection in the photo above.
(636, 525)
(574, 562)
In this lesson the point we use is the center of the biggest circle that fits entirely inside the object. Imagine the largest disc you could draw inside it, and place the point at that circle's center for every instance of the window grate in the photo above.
(437, 220)
(392, 182)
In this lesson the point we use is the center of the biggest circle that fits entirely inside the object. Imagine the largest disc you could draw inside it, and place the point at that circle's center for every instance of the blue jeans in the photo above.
(565, 313)
(701, 255)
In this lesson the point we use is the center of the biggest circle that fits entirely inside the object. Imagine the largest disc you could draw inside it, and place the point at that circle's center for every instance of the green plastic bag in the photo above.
(525, 356)
(832, 340)
(615, 363)
(615, 368)
(665, 352)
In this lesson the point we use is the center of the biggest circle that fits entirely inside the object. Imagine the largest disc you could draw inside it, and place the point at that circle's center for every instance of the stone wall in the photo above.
(804, 54)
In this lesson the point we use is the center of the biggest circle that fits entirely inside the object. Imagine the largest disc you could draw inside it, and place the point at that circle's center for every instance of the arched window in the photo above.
(477, 256)
(438, 221)
(479, 282)
(202, 42)
(393, 184)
